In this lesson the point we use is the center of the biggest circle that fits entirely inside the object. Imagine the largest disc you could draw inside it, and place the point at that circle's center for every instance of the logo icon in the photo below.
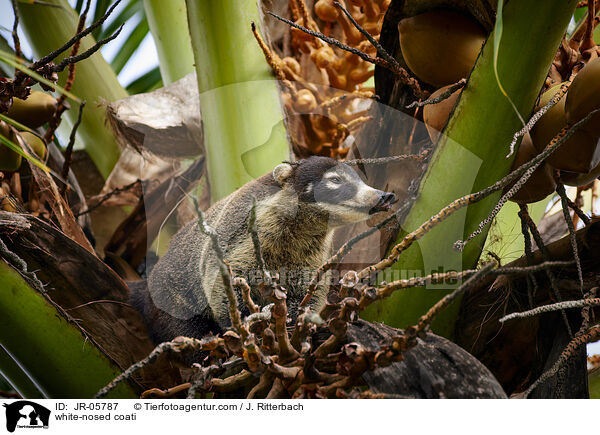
(26, 414)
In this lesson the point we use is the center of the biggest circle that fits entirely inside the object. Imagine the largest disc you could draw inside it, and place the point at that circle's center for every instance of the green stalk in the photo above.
(51, 350)
(472, 154)
(241, 112)
(169, 27)
(47, 28)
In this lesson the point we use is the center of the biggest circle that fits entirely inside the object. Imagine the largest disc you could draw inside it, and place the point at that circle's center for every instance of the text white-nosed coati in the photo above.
(298, 207)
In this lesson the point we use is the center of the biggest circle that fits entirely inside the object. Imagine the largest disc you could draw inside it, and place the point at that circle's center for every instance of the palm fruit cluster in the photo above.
(33, 112)
(578, 159)
(443, 37)
(324, 85)
(440, 48)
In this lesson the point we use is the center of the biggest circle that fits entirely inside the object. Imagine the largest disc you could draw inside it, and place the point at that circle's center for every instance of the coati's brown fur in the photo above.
(298, 207)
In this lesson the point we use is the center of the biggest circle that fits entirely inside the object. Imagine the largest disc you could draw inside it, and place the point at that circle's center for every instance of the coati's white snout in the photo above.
(336, 190)
(347, 198)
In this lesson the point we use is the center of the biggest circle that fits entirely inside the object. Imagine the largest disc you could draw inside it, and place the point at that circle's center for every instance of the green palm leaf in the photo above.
(130, 45)
(132, 8)
(146, 82)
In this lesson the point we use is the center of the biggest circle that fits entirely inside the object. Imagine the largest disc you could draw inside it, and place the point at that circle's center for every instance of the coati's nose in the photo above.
(386, 199)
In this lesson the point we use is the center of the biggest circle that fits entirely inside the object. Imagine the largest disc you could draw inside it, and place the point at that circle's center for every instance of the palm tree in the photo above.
(243, 136)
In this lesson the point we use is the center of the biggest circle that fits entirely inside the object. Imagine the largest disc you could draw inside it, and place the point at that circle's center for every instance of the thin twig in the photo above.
(100, 301)
(234, 313)
(272, 59)
(572, 347)
(21, 266)
(178, 345)
(53, 55)
(560, 189)
(524, 171)
(579, 212)
(334, 41)
(546, 256)
(402, 73)
(531, 280)
(421, 157)
(388, 289)
(536, 117)
(443, 96)
(74, 59)
(69, 149)
(578, 199)
(426, 320)
(552, 307)
(531, 167)
(508, 270)
(332, 102)
(109, 195)
(60, 107)
(586, 313)
(435, 278)
(344, 250)
(382, 51)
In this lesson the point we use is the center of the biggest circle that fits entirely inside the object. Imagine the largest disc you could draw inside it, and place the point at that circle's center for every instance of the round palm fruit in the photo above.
(540, 184)
(35, 111)
(326, 10)
(436, 116)
(583, 97)
(37, 145)
(305, 101)
(440, 47)
(323, 57)
(9, 160)
(580, 153)
(576, 179)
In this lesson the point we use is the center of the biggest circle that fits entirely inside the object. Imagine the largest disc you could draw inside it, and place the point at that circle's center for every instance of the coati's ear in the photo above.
(282, 173)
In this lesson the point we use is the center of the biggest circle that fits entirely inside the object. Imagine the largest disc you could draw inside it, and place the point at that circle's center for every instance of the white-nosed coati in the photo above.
(298, 206)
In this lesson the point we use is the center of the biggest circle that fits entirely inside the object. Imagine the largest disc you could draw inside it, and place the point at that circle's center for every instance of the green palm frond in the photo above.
(147, 82)
(127, 45)
(130, 45)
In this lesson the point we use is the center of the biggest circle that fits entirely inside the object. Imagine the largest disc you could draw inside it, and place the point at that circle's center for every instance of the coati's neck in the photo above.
(292, 233)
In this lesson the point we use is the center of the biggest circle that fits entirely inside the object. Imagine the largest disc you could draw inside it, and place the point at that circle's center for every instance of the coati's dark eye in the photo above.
(336, 180)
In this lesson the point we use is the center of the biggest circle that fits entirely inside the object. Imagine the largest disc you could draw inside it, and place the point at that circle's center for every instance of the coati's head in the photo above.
(334, 188)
